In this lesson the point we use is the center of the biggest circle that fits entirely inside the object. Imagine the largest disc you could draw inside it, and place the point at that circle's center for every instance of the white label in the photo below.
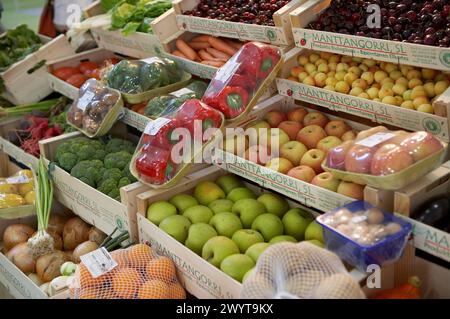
(182, 92)
(98, 262)
(151, 60)
(84, 101)
(225, 72)
(20, 179)
(376, 139)
(154, 126)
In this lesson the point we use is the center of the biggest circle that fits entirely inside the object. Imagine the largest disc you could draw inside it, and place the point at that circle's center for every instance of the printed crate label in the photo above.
(375, 111)
(384, 50)
(242, 31)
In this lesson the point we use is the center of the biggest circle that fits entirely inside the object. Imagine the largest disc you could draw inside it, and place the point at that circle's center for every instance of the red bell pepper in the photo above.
(269, 58)
(232, 101)
(155, 166)
(164, 138)
(257, 59)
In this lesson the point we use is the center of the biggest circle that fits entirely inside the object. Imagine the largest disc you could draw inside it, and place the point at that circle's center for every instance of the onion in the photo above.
(69, 255)
(57, 240)
(20, 255)
(56, 224)
(48, 266)
(96, 235)
(75, 232)
(16, 234)
(83, 249)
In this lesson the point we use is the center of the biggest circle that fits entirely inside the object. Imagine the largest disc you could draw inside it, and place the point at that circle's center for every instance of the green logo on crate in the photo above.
(271, 35)
(119, 223)
(445, 58)
(431, 125)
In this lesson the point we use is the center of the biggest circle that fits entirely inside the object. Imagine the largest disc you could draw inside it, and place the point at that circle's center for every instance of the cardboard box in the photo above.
(280, 34)
(23, 80)
(305, 193)
(199, 277)
(93, 206)
(363, 47)
(375, 111)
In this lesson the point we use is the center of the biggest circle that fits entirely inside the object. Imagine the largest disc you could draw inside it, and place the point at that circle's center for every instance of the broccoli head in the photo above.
(113, 173)
(117, 160)
(67, 160)
(117, 144)
(89, 172)
(115, 193)
(124, 181)
(107, 186)
(127, 173)
(78, 149)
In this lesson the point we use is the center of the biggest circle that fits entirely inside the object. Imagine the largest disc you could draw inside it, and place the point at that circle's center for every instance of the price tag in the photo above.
(182, 92)
(20, 179)
(376, 139)
(98, 262)
(84, 101)
(154, 126)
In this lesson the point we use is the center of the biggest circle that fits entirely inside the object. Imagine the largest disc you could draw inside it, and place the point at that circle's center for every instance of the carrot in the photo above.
(186, 49)
(141, 110)
(409, 290)
(216, 64)
(179, 54)
(218, 54)
(220, 45)
(201, 38)
(235, 44)
(205, 55)
(199, 45)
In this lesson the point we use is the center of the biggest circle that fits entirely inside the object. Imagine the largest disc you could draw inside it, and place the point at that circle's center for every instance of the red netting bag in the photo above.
(140, 274)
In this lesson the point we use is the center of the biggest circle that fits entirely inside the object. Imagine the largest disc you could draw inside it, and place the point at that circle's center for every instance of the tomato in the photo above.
(87, 67)
(77, 80)
(65, 72)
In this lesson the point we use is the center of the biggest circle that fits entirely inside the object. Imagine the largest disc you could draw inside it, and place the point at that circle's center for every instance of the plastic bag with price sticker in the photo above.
(302, 270)
(140, 274)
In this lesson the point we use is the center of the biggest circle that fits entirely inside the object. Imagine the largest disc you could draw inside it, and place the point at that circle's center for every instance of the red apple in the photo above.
(390, 159)
(336, 156)
(359, 158)
(280, 165)
(297, 114)
(326, 180)
(348, 136)
(314, 158)
(303, 173)
(352, 190)
(336, 128)
(275, 139)
(293, 151)
(421, 145)
(328, 143)
(274, 118)
(315, 118)
(260, 127)
(291, 128)
(258, 154)
(311, 135)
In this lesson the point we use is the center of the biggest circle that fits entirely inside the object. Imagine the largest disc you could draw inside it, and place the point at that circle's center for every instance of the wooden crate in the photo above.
(200, 278)
(280, 34)
(363, 47)
(382, 113)
(305, 193)
(93, 206)
(24, 79)
(66, 89)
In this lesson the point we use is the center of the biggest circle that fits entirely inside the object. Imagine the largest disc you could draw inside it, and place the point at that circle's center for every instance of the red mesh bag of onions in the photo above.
(140, 274)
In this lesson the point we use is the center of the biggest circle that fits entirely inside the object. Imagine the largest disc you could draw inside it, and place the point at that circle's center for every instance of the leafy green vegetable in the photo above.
(108, 4)
(121, 15)
(130, 28)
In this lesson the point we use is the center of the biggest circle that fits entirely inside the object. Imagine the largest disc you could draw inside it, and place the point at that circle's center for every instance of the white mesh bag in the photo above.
(302, 270)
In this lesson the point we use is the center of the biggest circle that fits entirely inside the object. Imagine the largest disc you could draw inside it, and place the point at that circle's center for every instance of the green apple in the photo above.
(160, 210)
(282, 238)
(275, 204)
(176, 226)
(236, 266)
(240, 193)
(226, 224)
(295, 223)
(198, 214)
(268, 225)
(316, 242)
(229, 182)
(217, 249)
(183, 202)
(255, 250)
(314, 231)
(248, 209)
(206, 192)
(221, 206)
(248, 274)
(245, 238)
(198, 235)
